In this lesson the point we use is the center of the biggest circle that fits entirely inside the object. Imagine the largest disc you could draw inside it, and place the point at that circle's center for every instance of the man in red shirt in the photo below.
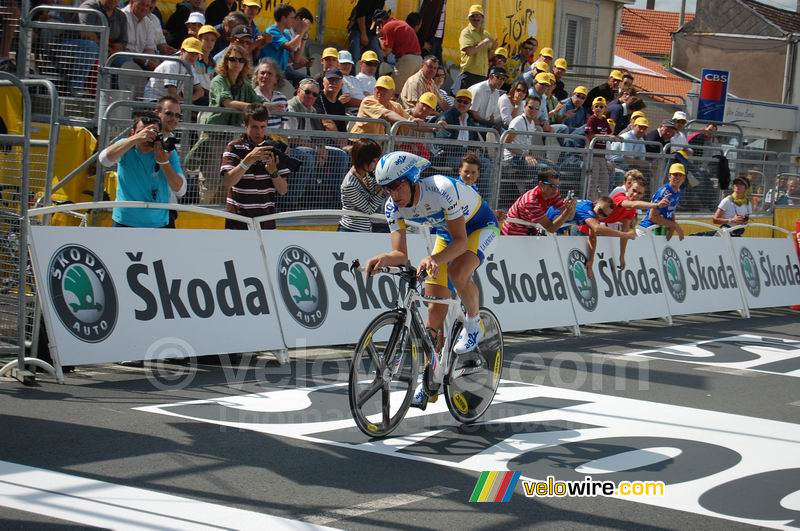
(532, 206)
(399, 37)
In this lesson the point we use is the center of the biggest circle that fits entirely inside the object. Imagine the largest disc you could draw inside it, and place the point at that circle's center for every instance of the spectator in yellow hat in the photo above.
(546, 55)
(156, 88)
(596, 125)
(571, 111)
(475, 44)
(629, 152)
(665, 216)
(560, 71)
(520, 62)
(329, 60)
(607, 91)
(251, 9)
(205, 66)
(381, 106)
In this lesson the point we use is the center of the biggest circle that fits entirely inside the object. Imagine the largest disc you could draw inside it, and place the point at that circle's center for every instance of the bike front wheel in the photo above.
(473, 378)
(383, 374)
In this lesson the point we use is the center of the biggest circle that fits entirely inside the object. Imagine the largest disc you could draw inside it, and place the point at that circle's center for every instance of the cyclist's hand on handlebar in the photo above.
(430, 265)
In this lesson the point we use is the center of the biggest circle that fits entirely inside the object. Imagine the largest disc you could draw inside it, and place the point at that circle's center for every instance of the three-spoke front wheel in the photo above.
(383, 374)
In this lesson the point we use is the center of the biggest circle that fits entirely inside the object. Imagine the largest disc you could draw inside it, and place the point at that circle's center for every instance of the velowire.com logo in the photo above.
(584, 287)
(302, 287)
(83, 293)
(674, 275)
(747, 262)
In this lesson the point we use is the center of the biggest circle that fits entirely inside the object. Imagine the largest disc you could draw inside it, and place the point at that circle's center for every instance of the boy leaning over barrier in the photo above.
(665, 216)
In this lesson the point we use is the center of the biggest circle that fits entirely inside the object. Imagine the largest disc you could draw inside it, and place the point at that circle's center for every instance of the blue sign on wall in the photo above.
(713, 95)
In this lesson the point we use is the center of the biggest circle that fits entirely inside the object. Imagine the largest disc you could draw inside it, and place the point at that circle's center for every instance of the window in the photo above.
(575, 39)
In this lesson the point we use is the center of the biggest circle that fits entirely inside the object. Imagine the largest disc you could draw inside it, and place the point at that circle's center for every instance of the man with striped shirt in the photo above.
(250, 171)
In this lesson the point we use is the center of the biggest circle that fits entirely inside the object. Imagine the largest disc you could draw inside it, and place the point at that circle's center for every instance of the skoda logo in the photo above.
(585, 288)
(302, 287)
(673, 274)
(82, 292)
(747, 262)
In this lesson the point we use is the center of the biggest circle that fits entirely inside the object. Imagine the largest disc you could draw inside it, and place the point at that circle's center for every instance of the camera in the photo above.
(169, 143)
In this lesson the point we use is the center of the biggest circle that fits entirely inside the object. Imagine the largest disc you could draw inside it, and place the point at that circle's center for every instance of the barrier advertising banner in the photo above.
(133, 294)
(769, 271)
(320, 302)
(610, 293)
(523, 283)
(698, 274)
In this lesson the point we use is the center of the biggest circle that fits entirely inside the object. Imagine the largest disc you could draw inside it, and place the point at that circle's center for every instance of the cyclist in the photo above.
(466, 230)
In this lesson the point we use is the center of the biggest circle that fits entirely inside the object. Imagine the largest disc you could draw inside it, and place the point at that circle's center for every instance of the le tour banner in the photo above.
(131, 294)
(713, 95)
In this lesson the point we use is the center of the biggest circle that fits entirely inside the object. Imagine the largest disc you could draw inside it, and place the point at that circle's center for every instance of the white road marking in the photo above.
(374, 506)
(730, 370)
(97, 503)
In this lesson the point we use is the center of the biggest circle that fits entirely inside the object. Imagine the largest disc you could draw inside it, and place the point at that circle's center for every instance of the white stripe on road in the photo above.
(108, 505)
(361, 509)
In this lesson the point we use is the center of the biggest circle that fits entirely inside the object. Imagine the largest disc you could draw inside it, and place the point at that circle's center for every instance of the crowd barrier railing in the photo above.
(136, 79)
(722, 129)
(271, 290)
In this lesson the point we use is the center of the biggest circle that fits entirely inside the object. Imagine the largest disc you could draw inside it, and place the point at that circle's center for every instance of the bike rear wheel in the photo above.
(383, 374)
(473, 378)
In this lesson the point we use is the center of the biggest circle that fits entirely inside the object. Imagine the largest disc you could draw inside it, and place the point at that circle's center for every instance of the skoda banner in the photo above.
(610, 293)
(769, 271)
(320, 301)
(698, 274)
(136, 294)
(523, 283)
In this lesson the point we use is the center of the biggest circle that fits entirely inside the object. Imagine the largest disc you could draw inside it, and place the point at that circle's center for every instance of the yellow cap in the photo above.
(385, 82)
(599, 100)
(501, 51)
(552, 77)
(464, 93)
(253, 3)
(543, 78)
(547, 52)
(191, 44)
(642, 121)
(638, 114)
(616, 74)
(429, 99)
(207, 29)
(580, 89)
(612, 122)
(333, 52)
(561, 63)
(369, 55)
(476, 8)
(541, 66)
(677, 168)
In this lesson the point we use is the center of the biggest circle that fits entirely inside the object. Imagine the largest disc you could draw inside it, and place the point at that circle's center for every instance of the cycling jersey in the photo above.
(443, 199)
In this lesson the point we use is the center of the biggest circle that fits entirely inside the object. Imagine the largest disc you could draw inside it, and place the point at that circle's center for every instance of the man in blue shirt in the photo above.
(665, 216)
(145, 172)
(283, 44)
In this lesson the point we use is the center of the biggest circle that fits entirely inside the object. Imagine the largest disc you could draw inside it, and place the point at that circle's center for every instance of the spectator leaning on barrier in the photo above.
(735, 209)
(560, 71)
(419, 83)
(359, 191)
(512, 103)
(626, 153)
(332, 101)
(266, 77)
(663, 135)
(380, 106)
(459, 115)
(177, 24)
(361, 30)
(475, 44)
(145, 172)
(664, 216)
(250, 171)
(485, 98)
(191, 50)
(532, 207)
(607, 91)
(597, 124)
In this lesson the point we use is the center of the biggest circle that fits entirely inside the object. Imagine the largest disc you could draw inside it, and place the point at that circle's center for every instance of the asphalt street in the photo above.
(710, 405)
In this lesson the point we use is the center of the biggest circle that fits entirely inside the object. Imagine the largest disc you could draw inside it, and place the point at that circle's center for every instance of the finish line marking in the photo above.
(390, 502)
(108, 505)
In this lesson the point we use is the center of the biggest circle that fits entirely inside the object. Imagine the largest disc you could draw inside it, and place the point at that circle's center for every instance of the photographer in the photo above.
(145, 172)
(168, 109)
(250, 170)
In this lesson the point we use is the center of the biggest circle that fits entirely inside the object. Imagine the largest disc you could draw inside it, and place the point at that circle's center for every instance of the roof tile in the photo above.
(788, 21)
(649, 31)
(664, 82)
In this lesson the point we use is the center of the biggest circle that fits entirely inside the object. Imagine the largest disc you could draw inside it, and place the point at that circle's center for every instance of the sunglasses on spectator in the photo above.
(548, 183)
(580, 96)
(309, 92)
(371, 63)
(241, 60)
(463, 101)
(175, 115)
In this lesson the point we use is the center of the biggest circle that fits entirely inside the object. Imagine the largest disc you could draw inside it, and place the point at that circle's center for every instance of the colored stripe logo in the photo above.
(495, 487)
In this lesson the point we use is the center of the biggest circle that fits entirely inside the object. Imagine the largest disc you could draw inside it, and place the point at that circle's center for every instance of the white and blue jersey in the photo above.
(442, 199)
(668, 212)
(584, 209)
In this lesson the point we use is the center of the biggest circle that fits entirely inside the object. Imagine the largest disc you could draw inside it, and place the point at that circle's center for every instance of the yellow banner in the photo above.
(514, 21)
